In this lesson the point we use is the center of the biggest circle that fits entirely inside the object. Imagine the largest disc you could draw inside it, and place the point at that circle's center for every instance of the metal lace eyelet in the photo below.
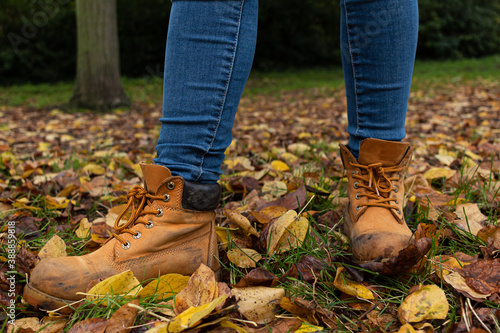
(398, 211)
(358, 208)
(357, 196)
(167, 197)
(137, 235)
(170, 185)
(126, 246)
(160, 212)
(399, 176)
(397, 202)
(396, 188)
(355, 185)
(149, 225)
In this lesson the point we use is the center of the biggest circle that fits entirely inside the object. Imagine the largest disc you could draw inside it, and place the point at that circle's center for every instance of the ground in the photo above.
(66, 173)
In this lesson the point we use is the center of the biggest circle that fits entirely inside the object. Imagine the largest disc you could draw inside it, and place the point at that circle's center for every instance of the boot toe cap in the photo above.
(372, 246)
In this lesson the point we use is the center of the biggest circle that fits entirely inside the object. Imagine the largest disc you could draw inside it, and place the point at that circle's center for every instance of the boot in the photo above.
(171, 230)
(373, 219)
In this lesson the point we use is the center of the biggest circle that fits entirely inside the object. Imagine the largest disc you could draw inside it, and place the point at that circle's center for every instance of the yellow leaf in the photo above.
(58, 202)
(306, 327)
(288, 231)
(54, 248)
(298, 148)
(288, 158)
(279, 166)
(471, 218)
(124, 283)
(350, 287)
(43, 147)
(434, 173)
(189, 318)
(83, 228)
(240, 220)
(228, 324)
(428, 302)
(244, 258)
(406, 328)
(22, 203)
(165, 286)
(258, 303)
(94, 169)
(224, 235)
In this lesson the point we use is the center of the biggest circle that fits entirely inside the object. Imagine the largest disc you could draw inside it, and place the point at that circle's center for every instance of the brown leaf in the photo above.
(483, 276)
(258, 277)
(284, 325)
(201, 289)
(94, 325)
(123, 318)
(310, 268)
(290, 201)
(25, 261)
(404, 262)
(300, 308)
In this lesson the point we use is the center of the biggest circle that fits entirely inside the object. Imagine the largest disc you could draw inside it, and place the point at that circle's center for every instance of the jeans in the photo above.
(210, 49)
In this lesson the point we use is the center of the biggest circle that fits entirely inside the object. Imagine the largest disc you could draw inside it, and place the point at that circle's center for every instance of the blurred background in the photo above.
(38, 37)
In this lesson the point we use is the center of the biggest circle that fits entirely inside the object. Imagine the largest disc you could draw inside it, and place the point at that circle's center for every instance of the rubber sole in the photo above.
(44, 301)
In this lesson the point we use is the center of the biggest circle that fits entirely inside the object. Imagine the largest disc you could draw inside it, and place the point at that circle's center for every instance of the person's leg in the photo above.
(172, 227)
(210, 49)
(378, 42)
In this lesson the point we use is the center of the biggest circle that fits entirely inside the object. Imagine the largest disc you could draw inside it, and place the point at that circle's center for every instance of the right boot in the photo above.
(171, 230)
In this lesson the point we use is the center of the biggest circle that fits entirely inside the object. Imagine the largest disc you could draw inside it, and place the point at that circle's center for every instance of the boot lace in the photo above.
(140, 195)
(378, 185)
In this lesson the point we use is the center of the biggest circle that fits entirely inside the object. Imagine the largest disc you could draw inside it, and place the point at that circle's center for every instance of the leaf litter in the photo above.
(65, 176)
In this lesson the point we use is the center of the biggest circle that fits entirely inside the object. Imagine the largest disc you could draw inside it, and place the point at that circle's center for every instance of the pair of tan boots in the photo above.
(172, 226)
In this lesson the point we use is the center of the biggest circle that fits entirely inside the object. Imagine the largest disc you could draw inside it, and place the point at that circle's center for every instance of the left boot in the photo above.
(373, 219)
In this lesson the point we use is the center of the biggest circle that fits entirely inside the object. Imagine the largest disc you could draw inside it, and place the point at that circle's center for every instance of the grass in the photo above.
(149, 89)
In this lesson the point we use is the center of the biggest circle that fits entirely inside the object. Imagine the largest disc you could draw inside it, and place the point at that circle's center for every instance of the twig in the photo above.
(477, 317)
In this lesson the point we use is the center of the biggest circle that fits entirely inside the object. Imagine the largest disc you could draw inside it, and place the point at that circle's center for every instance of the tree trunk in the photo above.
(98, 84)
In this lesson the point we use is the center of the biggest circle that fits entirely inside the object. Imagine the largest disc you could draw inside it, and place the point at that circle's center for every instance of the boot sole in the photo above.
(44, 301)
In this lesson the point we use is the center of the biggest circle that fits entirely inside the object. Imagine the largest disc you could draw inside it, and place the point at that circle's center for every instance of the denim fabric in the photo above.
(209, 54)
(378, 42)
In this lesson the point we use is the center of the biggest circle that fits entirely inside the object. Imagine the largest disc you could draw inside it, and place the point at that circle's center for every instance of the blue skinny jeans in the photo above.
(209, 54)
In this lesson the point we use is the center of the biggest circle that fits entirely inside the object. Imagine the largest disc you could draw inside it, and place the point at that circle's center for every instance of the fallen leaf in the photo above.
(275, 187)
(483, 276)
(124, 283)
(290, 201)
(435, 173)
(350, 287)
(54, 248)
(240, 220)
(191, 317)
(83, 228)
(458, 282)
(123, 318)
(94, 325)
(34, 324)
(287, 232)
(94, 169)
(406, 328)
(428, 302)
(264, 216)
(258, 277)
(165, 286)
(279, 166)
(200, 289)
(244, 258)
(258, 304)
(471, 218)
(302, 309)
(310, 268)
(306, 327)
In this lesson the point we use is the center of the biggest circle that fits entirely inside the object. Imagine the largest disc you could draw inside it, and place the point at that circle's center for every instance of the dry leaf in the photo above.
(258, 277)
(123, 318)
(94, 325)
(483, 276)
(200, 289)
(54, 248)
(34, 324)
(165, 286)
(94, 169)
(275, 187)
(434, 173)
(244, 258)
(124, 283)
(458, 282)
(258, 303)
(240, 220)
(287, 232)
(279, 166)
(428, 302)
(189, 318)
(471, 218)
(350, 287)
(83, 228)
(304, 310)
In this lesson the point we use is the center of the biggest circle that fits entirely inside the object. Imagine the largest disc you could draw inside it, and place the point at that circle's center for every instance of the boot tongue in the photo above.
(154, 176)
(388, 153)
